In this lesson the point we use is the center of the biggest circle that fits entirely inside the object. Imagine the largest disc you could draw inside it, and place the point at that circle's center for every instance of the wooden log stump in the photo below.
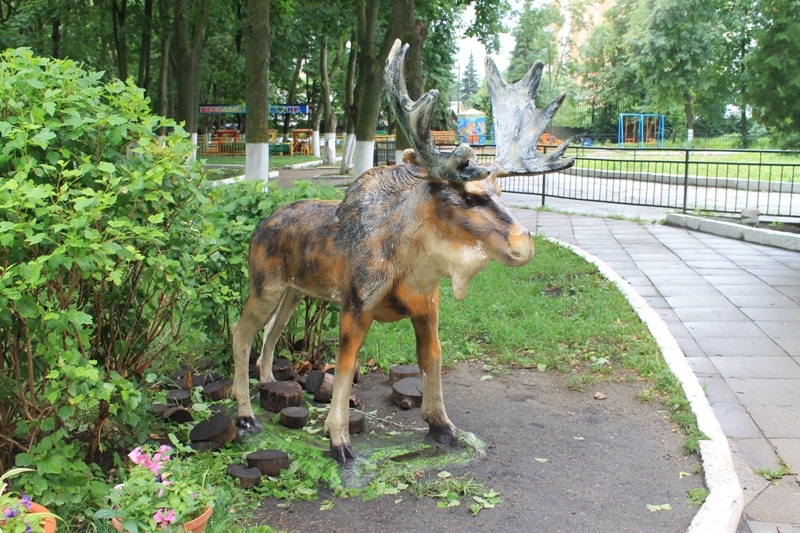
(314, 380)
(248, 477)
(206, 446)
(268, 462)
(217, 390)
(407, 393)
(293, 417)
(324, 392)
(357, 402)
(302, 381)
(356, 372)
(275, 395)
(173, 413)
(282, 369)
(219, 428)
(357, 423)
(180, 397)
(396, 373)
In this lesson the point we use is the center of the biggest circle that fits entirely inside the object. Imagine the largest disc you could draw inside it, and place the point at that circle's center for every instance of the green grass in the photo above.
(557, 313)
(735, 165)
(275, 161)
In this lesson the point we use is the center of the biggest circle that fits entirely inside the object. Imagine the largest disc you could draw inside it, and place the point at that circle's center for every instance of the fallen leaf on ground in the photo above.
(659, 508)
(599, 396)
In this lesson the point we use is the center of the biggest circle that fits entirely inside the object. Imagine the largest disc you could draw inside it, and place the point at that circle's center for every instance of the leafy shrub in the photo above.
(115, 257)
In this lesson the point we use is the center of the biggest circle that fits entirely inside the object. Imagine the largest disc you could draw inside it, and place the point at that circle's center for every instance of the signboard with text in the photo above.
(279, 109)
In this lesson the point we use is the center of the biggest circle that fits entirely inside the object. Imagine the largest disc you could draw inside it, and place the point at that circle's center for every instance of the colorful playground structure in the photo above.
(641, 129)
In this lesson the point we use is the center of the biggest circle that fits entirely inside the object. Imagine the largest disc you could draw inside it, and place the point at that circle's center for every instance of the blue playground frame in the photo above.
(638, 122)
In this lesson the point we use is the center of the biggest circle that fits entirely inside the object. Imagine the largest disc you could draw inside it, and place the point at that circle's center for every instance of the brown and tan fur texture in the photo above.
(381, 254)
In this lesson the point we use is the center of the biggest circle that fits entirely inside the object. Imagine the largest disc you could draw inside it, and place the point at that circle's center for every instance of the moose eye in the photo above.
(470, 200)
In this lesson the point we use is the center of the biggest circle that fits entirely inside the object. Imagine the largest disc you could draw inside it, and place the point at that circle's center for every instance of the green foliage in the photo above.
(117, 258)
(697, 496)
(774, 70)
(16, 513)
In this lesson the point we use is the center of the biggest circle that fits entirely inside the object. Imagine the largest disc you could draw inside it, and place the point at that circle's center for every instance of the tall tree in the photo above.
(774, 70)
(537, 38)
(257, 87)
(469, 82)
(672, 44)
(188, 51)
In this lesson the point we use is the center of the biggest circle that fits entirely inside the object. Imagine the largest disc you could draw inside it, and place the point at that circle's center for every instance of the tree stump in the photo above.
(356, 372)
(407, 393)
(324, 392)
(293, 417)
(173, 413)
(356, 402)
(282, 369)
(357, 423)
(180, 397)
(275, 395)
(219, 428)
(396, 373)
(314, 380)
(217, 390)
(206, 446)
(268, 462)
(248, 477)
(302, 381)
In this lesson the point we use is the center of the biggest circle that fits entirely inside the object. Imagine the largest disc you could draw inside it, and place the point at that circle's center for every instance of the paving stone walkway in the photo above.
(734, 308)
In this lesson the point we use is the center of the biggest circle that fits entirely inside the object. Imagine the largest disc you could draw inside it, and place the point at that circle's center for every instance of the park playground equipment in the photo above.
(640, 128)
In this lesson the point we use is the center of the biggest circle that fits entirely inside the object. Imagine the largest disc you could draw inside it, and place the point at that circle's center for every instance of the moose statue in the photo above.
(381, 252)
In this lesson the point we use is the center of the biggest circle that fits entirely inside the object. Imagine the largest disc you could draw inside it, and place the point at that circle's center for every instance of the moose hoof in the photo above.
(343, 453)
(248, 423)
(445, 434)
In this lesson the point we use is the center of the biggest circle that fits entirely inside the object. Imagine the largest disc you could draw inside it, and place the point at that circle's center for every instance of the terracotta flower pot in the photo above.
(49, 522)
(198, 525)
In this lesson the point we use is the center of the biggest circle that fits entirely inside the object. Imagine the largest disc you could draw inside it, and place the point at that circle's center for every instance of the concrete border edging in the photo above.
(723, 507)
(778, 239)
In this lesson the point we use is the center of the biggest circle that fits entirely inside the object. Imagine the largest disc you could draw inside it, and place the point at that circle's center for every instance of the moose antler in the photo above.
(415, 119)
(518, 123)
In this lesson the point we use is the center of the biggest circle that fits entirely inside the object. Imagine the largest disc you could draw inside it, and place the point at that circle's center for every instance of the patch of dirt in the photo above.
(606, 461)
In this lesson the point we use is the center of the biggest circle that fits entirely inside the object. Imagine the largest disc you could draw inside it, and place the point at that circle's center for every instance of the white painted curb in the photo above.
(778, 239)
(722, 509)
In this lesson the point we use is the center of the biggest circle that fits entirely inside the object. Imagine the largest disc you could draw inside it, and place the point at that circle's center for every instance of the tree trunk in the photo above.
(349, 109)
(370, 77)
(188, 52)
(55, 37)
(329, 157)
(743, 126)
(415, 35)
(143, 80)
(687, 96)
(292, 94)
(257, 88)
(118, 15)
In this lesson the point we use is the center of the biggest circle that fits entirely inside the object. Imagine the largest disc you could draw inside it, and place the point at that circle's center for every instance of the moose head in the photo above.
(383, 250)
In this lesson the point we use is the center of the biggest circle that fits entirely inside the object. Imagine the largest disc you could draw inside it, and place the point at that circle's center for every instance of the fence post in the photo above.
(544, 187)
(375, 155)
(685, 179)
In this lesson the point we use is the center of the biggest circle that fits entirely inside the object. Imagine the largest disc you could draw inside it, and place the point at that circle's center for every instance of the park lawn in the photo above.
(556, 313)
(275, 161)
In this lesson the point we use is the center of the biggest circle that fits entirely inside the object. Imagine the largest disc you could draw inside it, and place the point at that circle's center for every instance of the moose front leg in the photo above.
(429, 359)
(353, 330)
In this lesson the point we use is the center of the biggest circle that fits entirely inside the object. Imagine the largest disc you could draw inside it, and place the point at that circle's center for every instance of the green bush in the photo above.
(116, 257)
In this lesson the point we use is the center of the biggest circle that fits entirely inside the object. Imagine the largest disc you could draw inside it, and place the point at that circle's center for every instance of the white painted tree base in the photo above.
(398, 157)
(256, 162)
(363, 157)
(194, 142)
(330, 149)
(315, 144)
(347, 153)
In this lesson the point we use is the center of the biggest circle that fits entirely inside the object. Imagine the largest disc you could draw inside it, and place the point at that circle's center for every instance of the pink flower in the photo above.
(163, 519)
(119, 487)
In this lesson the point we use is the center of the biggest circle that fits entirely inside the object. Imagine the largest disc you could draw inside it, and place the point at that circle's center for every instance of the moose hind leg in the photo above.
(429, 359)
(256, 313)
(272, 331)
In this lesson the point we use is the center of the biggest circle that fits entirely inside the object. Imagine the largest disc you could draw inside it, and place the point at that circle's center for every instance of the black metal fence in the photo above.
(718, 181)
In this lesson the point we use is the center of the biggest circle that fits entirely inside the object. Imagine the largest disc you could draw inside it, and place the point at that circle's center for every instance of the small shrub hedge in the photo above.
(116, 257)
